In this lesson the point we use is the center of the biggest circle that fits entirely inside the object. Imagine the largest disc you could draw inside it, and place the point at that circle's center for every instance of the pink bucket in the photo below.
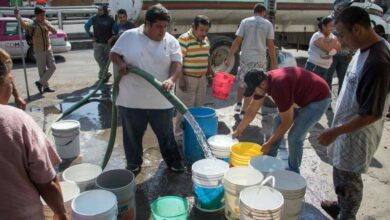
(222, 85)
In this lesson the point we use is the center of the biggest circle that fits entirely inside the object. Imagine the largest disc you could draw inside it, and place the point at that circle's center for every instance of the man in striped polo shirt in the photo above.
(195, 48)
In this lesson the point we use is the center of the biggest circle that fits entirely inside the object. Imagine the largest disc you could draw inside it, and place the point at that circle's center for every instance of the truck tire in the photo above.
(30, 55)
(220, 47)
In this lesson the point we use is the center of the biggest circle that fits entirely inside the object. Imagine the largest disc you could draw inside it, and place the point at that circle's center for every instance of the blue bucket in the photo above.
(208, 198)
(208, 122)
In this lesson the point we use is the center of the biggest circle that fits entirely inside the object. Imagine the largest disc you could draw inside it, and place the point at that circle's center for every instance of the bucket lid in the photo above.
(267, 164)
(81, 172)
(288, 181)
(243, 176)
(222, 142)
(261, 198)
(210, 168)
(65, 125)
(69, 191)
(94, 202)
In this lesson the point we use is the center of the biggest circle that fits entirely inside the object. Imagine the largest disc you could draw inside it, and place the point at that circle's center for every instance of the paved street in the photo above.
(75, 77)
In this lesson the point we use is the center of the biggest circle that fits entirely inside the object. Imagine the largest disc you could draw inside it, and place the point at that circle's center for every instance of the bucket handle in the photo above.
(68, 142)
(266, 180)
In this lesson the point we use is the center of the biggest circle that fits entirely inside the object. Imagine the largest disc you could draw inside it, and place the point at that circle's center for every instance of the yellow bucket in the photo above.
(241, 153)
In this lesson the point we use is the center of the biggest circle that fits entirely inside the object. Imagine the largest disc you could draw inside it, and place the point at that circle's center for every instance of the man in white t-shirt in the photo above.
(151, 49)
(254, 35)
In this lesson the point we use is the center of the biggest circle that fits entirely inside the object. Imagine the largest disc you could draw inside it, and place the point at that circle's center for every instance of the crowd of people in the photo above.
(345, 43)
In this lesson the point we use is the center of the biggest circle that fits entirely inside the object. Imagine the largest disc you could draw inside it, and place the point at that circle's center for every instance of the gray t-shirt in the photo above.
(255, 31)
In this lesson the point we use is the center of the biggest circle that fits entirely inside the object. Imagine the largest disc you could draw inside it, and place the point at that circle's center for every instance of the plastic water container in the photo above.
(220, 146)
(242, 152)
(69, 192)
(83, 175)
(207, 176)
(121, 182)
(208, 122)
(236, 180)
(66, 135)
(266, 164)
(169, 208)
(261, 202)
(95, 205)
(222, 84)
(293, 188)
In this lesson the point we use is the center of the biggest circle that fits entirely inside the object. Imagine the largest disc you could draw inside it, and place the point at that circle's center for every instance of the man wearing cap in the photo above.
(103, 32)
(301, 96)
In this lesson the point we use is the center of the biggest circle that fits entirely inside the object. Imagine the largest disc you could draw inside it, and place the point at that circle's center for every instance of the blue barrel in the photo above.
(208, 122)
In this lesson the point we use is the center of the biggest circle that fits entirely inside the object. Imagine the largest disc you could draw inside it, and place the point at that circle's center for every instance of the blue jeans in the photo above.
(317, 70)
(304, 119)
(340, 65)
(135, 121)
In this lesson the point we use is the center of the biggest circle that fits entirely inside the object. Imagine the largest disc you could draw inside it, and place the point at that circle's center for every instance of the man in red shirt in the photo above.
(302, 98)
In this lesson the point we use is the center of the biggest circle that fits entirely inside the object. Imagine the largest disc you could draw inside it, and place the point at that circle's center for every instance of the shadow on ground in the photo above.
(18, 63)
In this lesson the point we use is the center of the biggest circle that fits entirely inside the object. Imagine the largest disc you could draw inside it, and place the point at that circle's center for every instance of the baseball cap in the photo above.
(252, 79)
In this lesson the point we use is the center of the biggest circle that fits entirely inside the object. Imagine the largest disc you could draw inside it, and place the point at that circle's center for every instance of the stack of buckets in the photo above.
(116, 192)
(293, 188)
(242, 153)
(261, 202)
(236, 180)
(220, 146)
(207, 176)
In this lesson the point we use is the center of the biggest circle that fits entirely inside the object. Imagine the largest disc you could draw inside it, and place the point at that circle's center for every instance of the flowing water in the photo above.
(200, 136)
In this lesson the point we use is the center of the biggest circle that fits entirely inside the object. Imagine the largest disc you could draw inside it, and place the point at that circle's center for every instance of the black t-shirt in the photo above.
(103, 28)
(374, 84)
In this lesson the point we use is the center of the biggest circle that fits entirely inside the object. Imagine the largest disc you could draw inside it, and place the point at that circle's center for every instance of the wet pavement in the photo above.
(156, 180)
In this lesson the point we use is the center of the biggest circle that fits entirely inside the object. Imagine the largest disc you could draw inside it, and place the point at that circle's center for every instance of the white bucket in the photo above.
(220, 145)
(207, 176)
(69, 192)
(95, 205)
(266, 164)
(121, 182)
(209, 172)
(83, 175)
(235, 180)
(66, 135)
(261, 202)
(293, 188)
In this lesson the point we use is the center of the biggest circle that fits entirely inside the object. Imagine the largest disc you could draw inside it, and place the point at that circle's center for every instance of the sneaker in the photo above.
(39, 86)
(237, 107)
(331, 207)
(241, 116)
(177, 168)
(133, 168)
(48, 89)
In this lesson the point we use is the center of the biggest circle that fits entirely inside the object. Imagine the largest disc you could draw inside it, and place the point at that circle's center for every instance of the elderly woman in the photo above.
(323, 45)
(26, 158)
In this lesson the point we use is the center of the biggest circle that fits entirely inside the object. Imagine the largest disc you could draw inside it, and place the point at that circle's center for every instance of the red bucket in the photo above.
(222, 84)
